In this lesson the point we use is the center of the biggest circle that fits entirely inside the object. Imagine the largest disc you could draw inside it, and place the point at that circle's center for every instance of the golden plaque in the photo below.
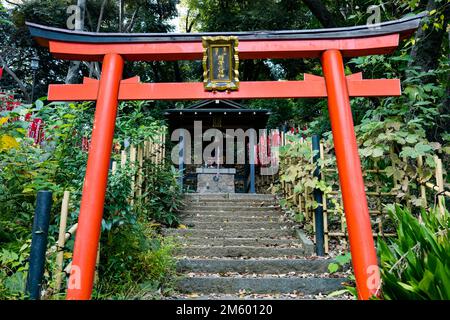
(220, 63)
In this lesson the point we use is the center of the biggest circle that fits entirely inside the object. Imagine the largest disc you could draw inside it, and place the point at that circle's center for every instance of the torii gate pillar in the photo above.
(95, 181)
(357, 216)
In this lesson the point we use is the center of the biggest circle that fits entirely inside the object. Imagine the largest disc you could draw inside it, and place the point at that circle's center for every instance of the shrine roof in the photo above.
(216, 106)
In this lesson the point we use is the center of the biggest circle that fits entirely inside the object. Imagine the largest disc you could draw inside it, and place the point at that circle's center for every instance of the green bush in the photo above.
(137, 262)
(416, 265)
(58, 164)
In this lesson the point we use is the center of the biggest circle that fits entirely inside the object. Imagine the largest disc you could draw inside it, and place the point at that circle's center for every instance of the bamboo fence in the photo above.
(135, 157)
(431, 192)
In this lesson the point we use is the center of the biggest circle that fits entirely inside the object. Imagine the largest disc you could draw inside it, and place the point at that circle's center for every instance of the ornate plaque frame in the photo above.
(220, 63)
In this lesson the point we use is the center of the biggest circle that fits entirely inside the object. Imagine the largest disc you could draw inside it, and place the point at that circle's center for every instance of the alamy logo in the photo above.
(235, 146)
(374, 20)
(74, 19)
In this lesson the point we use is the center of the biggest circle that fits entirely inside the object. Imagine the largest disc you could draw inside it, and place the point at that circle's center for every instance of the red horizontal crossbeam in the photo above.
(311, 87)
(251, 49)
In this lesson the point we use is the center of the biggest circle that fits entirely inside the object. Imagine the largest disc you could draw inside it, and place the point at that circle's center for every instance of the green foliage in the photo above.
(297, 167)
(58, 164)
(13, 271)
(134, 123)
(416, 264)
(137, 261)
(162, 194)
(341, 262)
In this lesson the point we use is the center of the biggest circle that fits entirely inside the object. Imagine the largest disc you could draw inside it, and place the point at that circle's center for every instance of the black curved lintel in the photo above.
(405, 27)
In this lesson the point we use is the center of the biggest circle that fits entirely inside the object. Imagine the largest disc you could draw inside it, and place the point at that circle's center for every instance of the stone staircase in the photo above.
(240, 244)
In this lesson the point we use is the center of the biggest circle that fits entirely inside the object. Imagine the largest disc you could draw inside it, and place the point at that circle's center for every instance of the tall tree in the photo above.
(74, 68)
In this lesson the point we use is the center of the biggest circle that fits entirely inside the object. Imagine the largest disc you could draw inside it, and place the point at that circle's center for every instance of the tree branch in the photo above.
(100, 16)
(133, 20)
(13, 3)
(16, 79)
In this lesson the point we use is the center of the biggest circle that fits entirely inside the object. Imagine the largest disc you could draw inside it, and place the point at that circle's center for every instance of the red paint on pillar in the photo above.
(362, 247)
(91, 211)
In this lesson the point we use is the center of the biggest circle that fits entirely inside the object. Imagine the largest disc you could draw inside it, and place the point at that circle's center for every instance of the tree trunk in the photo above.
(425, 57)
(321, 12)
(428, 43)
(120, 15)
(74, 67)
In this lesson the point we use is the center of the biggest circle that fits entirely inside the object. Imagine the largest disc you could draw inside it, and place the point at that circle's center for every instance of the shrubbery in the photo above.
(58, 164)
(416, 265)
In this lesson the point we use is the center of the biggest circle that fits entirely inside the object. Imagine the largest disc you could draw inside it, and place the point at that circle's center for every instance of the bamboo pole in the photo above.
(436, 188)
(377, 190)
(154, 156)
(133, 178)
(71, 231)
(423, 192)
(324, 200)
(140, 159)
(158, 150)
(61, 240)
(163, 148)
(123, 158)
(299, 205)
(374, 234)
(67, 236)
(440, 185)
(97, 263)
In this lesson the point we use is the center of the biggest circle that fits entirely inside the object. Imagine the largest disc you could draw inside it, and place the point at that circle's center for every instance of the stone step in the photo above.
(229, 196)
(234, 204)
(239, 241)
(233, 225)
(261, 266)
(239, 251)
(189, 219)
(244, 233)
(257, 203)
(268, 284)
(229, 208)
(247, 213)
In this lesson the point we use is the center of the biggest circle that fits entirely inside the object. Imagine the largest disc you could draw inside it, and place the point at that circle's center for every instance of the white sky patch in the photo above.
(177, 21)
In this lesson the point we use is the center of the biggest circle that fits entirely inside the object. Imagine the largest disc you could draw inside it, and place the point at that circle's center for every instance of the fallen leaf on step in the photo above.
(182, 226)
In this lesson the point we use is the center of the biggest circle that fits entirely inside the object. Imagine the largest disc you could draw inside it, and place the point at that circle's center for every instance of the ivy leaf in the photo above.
(377, 152)
(389, 171)
(344, 259)
(408, 152)
(411, 138)
(333, 267)
(421, 148)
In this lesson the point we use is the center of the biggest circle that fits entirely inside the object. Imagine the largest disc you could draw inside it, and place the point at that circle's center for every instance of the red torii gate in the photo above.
(330, 45)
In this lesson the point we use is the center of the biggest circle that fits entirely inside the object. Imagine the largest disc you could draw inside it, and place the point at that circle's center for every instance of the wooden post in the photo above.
(318, 197)
(61, 240)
